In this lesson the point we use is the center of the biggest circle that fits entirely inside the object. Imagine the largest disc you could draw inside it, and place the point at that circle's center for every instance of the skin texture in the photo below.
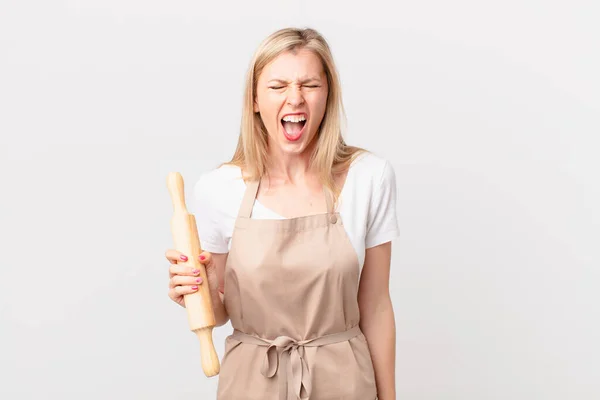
(296, 82)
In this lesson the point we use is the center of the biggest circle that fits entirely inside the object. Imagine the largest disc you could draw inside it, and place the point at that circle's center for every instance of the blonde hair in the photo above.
(331, 155)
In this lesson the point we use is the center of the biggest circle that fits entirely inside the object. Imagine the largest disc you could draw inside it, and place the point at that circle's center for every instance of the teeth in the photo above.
(294, 118)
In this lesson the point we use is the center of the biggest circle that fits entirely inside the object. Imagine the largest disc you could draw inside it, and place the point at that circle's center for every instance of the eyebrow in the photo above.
(305, 80)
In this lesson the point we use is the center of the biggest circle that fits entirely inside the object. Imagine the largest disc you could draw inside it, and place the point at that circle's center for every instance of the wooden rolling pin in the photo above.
(201, 317)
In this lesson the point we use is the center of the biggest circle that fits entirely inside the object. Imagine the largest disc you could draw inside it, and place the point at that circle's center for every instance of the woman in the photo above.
(296, 231)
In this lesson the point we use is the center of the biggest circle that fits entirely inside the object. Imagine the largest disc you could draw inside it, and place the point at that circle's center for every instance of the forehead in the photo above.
(291, 66)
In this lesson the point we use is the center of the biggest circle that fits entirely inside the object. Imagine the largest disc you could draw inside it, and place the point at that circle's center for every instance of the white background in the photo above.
(488, 111)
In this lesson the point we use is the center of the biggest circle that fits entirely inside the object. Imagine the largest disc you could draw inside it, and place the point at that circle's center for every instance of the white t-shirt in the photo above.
(367, 205)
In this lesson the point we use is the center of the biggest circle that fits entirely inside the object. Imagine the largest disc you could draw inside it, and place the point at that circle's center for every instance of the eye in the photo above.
(313, 86)
(276, 87)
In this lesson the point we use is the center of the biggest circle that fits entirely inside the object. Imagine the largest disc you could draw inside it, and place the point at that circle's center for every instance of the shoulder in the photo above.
(222, 175)
(370, 209)
(372, 170)
(379, 181)
(218, 184)
(217, 194)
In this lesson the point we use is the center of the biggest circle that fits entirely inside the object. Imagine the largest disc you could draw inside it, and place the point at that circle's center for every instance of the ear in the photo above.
(256, 109)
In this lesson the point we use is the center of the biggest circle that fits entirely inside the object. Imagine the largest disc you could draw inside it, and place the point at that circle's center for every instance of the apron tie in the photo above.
(288, 355)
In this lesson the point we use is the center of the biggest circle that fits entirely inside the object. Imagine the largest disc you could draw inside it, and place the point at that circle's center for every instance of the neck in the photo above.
(289, 168)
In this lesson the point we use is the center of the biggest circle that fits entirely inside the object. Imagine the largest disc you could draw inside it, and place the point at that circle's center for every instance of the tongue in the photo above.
(293, 128)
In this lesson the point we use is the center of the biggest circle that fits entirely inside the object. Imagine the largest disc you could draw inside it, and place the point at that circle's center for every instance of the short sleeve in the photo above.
(382, 223)
(209, 219)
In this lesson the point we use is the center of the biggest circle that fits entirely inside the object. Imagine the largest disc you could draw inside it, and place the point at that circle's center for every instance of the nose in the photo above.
(295, 97)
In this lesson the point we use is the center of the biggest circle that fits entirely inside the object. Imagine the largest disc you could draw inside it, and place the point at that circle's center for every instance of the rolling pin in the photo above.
(201, 317)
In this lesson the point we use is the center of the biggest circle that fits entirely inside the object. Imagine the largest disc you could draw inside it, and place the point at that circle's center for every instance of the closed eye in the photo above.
(281, 87)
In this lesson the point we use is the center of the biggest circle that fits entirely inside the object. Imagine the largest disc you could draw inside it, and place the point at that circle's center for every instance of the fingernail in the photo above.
(199, 280)
(184, 258)
(194, 287)
(196, 271)
(202, 258)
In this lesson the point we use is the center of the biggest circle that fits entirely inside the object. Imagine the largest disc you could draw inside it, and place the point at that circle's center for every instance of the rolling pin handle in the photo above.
(176, 189)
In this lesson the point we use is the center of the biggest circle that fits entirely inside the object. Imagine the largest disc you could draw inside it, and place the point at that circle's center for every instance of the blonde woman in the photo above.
(296, 231)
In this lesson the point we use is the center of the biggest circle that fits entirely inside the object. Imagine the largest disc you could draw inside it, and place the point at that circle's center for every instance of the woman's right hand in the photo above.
(182, 279)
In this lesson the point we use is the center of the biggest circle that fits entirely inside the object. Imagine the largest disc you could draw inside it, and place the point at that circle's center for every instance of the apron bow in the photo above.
(287, 354)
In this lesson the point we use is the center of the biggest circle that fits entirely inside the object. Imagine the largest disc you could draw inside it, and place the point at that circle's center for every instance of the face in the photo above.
(291, 97)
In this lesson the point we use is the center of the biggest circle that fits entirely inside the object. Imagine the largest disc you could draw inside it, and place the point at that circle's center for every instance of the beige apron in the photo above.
(291, 290)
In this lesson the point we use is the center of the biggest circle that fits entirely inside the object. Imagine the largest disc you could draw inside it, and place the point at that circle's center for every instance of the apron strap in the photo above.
(248, 200)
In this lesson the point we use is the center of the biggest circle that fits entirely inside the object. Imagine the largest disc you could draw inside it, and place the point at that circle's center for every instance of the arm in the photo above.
(210, 223)
(377, 317)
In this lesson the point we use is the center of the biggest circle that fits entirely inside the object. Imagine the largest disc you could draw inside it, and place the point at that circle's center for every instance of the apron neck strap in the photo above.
(248, 200)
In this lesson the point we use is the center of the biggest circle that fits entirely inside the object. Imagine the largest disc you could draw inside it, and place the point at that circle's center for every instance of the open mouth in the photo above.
(293, 126)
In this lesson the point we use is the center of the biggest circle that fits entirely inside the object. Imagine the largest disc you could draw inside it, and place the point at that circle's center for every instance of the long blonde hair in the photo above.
(331, 155)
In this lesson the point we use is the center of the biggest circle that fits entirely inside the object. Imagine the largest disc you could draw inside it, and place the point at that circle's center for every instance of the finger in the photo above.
(176, 269)
(205, 257)
(182, 290)
(174, 256)
(181, 280)
(176, 293)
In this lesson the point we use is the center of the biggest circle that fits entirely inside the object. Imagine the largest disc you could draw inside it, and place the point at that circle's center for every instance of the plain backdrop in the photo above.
(488, 112)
